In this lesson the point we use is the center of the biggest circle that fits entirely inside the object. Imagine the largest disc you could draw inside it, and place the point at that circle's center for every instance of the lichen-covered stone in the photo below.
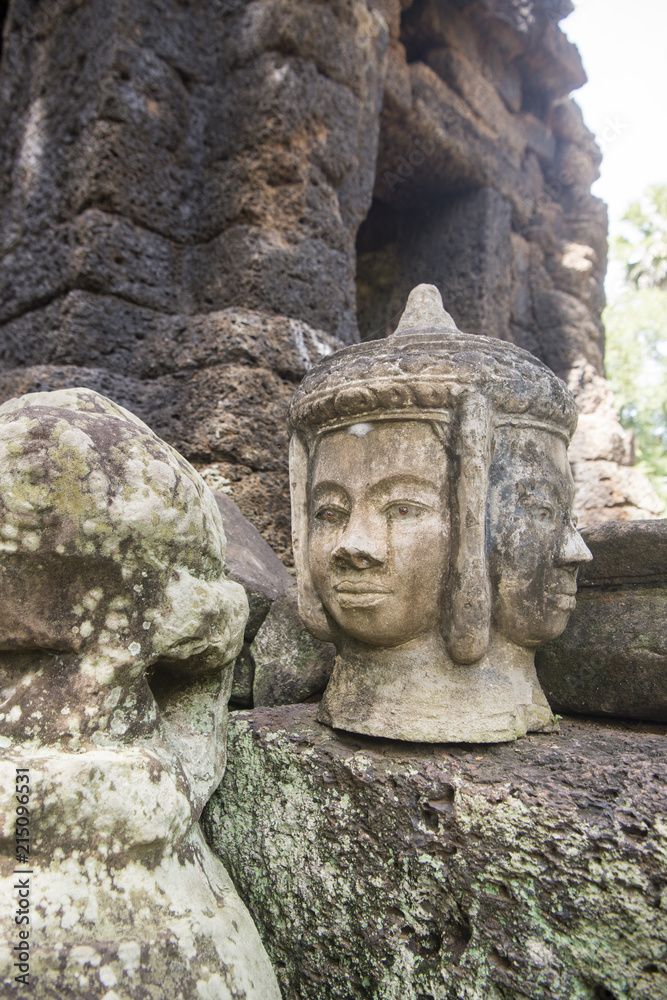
(126, 899)
(290, 665)
(111, 556)
(387, 871)
(118, 632)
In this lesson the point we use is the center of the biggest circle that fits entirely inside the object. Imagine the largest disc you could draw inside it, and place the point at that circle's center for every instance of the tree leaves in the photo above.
(636, 334)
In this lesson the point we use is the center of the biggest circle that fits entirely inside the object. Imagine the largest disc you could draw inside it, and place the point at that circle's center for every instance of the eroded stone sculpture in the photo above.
(118, 631)
(433, 532)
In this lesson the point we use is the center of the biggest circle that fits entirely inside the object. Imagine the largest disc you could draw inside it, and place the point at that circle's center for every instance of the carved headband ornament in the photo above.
(466, 386)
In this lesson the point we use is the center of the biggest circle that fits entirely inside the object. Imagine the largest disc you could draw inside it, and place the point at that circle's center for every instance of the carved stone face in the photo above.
(118, 630)
(534, 547)
(435, 577)
(111, 574)
(379, 529)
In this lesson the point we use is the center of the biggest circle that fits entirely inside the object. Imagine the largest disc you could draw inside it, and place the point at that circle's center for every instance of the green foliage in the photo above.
(636, 328)
(645, 256)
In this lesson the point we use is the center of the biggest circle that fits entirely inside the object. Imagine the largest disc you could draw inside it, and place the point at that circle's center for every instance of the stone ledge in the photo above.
(397, 871)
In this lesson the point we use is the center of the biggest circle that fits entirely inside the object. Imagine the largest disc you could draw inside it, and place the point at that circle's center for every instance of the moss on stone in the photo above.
(379, 870)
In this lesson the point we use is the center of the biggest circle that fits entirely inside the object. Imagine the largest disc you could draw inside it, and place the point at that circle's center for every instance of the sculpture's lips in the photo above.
(564, 596)
(563, 585)
(365, 587)
(361, 595)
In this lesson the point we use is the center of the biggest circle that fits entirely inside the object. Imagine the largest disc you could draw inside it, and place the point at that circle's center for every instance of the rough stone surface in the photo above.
(381, 870)
(187, 192)
(612, 657)
(435, 579)
(118, 632)
(139, 212)
(627, 494)
(483, 188)
(111, 557)
(290, 665)
(216, 386)
(251, 562)
(626, 553)
(280, 662)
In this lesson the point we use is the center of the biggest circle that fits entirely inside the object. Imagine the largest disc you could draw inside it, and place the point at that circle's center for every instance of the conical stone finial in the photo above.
(424, 311)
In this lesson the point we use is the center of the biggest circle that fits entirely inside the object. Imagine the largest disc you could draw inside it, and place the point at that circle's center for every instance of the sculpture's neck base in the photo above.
(415, 692)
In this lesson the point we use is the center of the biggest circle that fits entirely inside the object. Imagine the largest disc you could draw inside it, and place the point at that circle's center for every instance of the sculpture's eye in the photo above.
(539, 508)
(331, 515)
(404, 511)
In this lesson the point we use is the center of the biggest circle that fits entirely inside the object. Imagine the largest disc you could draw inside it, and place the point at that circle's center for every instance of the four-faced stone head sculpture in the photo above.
(118, 632)
(433, 529)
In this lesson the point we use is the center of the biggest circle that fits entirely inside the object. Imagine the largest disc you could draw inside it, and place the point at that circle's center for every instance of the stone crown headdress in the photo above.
(429, 364)
(430, 370)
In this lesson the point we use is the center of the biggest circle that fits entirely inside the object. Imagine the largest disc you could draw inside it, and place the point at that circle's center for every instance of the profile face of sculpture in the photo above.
(432, 526)
(379, 529)
(535, 549)
(118, 632)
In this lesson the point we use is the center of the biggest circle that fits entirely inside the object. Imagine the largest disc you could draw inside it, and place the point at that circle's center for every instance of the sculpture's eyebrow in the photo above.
(548, 488)
(528, 487)
(404, 481)
(328, 486)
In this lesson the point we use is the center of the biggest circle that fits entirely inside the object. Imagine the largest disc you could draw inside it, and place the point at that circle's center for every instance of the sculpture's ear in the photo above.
(470, 621)
(311, 608)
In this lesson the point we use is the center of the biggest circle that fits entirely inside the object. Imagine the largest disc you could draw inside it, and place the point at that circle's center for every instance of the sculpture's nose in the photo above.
(573, 550)
(362, 545)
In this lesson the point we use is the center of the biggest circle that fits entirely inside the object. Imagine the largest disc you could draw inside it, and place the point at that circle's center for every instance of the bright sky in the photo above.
(624, 50)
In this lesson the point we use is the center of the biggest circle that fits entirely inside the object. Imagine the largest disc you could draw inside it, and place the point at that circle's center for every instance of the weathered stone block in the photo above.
(568, 332)
(459, 246)
(290, 665)
(599, 434)
(383, 870)
(480, 94)
(612, 657)
(302, 277)
(251, 562)
(114, 256)
(555, 67)
(607, 491)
